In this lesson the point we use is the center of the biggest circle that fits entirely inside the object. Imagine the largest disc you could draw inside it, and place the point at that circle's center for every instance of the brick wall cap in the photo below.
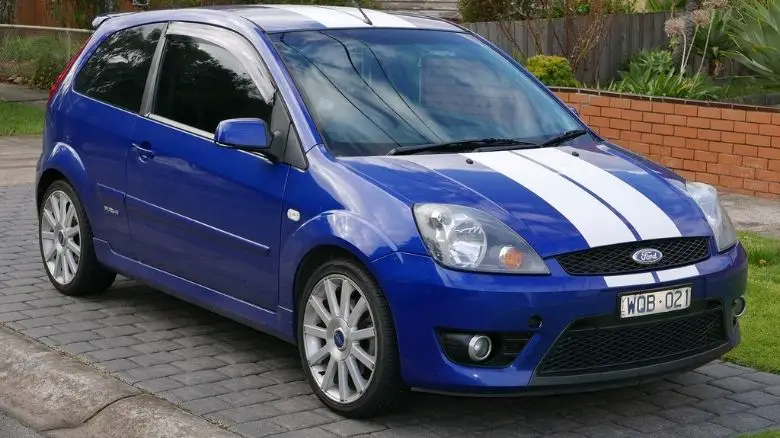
(704, 103)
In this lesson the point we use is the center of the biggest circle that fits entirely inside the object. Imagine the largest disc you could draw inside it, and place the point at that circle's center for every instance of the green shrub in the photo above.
(553, 71)
(665, 5)
(45, 70)
(473, 11)
(657, 61)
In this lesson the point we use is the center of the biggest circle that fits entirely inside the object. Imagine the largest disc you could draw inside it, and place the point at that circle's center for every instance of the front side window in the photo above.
(372, 90)
(202, 84)
(116, 72)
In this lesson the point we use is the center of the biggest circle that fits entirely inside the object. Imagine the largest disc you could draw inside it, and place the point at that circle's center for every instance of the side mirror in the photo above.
(247, 134)
(574, 110)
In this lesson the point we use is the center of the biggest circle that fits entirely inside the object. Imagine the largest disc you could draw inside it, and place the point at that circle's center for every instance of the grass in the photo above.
(760, 329)
(764, 434)
(20, 119)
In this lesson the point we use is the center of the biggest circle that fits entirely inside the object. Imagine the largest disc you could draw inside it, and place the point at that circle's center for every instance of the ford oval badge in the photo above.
(647, 256)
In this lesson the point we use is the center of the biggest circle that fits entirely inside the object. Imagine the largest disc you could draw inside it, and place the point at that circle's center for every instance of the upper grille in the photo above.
(616, 259)
(586, 347)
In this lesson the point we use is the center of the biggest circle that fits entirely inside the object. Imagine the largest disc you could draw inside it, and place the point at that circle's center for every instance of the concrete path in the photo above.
(134, 340)
(18, 93)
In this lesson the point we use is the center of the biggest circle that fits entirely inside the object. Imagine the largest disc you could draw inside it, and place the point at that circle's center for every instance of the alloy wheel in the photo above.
(340, 339)
(60, 234)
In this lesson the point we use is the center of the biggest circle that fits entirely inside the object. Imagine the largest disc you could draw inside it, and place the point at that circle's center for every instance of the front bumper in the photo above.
(424, 298)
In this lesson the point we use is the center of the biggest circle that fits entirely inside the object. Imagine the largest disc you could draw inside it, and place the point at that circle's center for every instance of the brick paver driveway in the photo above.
(253, 384)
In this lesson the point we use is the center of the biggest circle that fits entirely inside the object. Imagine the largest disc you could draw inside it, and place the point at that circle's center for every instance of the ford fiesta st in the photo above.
(391, 193)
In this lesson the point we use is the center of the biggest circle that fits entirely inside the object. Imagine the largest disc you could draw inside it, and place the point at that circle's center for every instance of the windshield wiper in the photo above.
(460, 145)
(568, 135)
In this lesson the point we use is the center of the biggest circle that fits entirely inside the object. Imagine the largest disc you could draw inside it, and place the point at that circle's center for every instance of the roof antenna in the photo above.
(366, 19)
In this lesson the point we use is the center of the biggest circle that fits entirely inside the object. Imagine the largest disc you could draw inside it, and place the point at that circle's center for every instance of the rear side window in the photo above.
(116, 72)
(202, 84)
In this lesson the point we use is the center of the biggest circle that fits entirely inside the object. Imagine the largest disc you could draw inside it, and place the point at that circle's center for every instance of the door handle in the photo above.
(144, 151)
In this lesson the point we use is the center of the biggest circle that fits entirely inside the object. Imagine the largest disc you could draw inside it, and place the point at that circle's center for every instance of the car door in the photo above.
(208, 214)
(100, 120)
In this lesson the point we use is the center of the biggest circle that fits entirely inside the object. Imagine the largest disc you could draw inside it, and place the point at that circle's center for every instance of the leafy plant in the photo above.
(45, 70)
(656, 61)
(645, 81)
(720, 43)
(473, 11)
(756, 36)
(553, 71)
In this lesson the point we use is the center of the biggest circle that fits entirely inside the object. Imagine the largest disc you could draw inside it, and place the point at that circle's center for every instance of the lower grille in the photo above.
(591, 346)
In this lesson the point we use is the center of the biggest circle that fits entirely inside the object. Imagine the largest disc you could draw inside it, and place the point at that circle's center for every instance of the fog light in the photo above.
(480, 348)
(738, 307)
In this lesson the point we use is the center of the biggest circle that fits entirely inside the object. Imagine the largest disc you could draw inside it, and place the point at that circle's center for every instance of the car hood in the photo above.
(559, 199)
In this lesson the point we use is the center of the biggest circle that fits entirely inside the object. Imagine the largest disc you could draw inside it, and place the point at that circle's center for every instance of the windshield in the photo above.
(373, 90)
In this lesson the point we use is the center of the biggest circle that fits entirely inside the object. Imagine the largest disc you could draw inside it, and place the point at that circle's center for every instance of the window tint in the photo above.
(202, 84)
(116, 72)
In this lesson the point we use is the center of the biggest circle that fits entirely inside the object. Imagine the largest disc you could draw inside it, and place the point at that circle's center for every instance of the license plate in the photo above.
(651, 303)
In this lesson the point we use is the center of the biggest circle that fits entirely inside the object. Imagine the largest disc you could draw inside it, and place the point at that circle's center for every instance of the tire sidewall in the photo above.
(387, 357)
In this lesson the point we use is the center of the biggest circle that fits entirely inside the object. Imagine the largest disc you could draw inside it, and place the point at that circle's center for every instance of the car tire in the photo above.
(347, 343)
(65, 241)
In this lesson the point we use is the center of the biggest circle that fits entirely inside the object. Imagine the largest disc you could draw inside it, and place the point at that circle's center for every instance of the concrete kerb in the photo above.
(62, 397)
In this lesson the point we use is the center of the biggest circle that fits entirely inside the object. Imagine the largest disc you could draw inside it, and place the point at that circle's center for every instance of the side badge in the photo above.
(293, 215)
(109, 210)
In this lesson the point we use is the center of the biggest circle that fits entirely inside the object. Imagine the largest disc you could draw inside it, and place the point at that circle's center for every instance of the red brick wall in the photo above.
(735, 147)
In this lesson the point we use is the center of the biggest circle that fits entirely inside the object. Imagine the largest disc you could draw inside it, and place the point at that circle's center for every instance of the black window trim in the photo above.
(103, 40)
(298, 160)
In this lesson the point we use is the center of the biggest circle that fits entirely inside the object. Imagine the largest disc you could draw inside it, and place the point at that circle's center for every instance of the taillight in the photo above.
(56, 85)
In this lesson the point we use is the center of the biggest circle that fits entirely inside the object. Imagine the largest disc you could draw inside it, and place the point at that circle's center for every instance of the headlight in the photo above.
(465, 238)
(707, 197)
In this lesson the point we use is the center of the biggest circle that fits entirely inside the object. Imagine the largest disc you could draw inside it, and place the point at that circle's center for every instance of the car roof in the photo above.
(283, 18)
(280, 18)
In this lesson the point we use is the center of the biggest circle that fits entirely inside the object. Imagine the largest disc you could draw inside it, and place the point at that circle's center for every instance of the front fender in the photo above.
(342, 229)
(66, 160)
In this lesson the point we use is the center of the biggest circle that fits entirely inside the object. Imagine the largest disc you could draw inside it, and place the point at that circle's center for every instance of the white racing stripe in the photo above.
(383, 19)
(678, 273)
(597, 224)
(328, 17)
(629, 279)
(649, 220)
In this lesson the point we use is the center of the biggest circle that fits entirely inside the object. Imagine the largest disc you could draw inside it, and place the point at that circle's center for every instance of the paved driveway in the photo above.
(253, 384)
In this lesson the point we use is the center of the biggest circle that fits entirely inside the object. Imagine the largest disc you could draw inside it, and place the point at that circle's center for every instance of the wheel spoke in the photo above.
(346, 293)
(70, 212)
(47, 235)
(48, 254)
(72, 265)
(63, 208)
(72, 247)
(72, 231)
(317, 357)
(313, 330)
(364, 357)
(333, 303)
(66, 274)
(357, 312)
(330, 374)
(54, 201)
(354, 373)
(343, 381)
(366, 333)
(50, 219)
(57, 265)
(320, 309)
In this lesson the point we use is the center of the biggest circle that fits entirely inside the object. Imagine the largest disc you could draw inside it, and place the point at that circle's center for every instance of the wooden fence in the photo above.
(623, 35)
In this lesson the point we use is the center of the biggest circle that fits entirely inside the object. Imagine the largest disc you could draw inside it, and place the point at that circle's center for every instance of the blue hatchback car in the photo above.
(391, 193)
